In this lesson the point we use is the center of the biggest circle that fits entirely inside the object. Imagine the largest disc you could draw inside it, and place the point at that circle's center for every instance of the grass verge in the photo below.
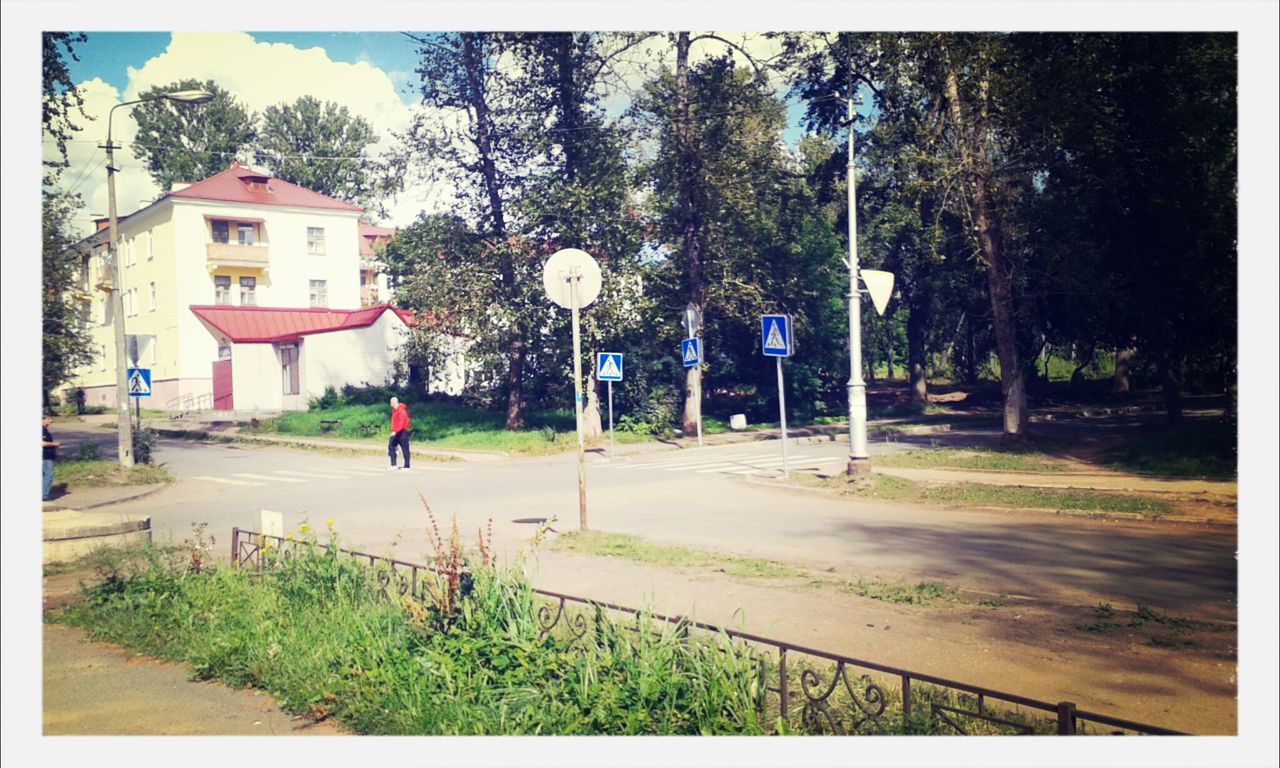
(1199, 448)
(636, 549)
(899, 490)
(317, 632)
(955, 458)
(77, 473)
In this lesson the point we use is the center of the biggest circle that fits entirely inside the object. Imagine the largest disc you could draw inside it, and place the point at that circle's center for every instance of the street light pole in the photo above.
(124, 425)
(859, 463)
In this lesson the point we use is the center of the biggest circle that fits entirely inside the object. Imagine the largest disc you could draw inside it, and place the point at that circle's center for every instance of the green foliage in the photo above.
(143, 441)
(1015, 460)
(65, 300)
(88, 451)
(190, 142)
(323, 147)
(60, 99)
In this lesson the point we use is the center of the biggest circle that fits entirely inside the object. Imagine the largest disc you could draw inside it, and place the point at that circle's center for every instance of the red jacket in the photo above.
(399, 418)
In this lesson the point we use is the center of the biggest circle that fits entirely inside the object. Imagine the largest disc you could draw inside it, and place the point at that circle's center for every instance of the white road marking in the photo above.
(208, 479)
(688, 461)
(758, 464)
(312, 475)
(268, 478)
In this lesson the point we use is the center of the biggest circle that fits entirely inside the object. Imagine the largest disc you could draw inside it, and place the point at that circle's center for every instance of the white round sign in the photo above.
(570, 264)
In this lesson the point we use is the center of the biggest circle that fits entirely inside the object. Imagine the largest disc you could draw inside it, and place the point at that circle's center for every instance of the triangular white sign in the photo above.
(879, 285)
(610, 369)
(774, 340)
(691, 353)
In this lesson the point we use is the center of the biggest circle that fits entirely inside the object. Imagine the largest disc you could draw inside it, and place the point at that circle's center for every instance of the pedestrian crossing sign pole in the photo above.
(691, 355)
(775, 342)
(139, 385)
(609, 368)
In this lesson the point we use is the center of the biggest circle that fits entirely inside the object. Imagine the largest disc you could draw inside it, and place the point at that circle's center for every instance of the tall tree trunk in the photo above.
(1077, 376)
(917, 327)
(888, 347)
(973, 157)
(473, 61)
(970, 351)
(1170, 369)
(689, 225)
(1121, 381)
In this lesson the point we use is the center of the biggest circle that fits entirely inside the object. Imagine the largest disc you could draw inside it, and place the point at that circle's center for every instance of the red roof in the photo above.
(370, 234)
(276, 324)
(238, 184)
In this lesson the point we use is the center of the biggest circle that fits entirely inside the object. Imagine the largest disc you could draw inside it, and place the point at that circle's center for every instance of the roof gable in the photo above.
(280, 324)
(238, 184)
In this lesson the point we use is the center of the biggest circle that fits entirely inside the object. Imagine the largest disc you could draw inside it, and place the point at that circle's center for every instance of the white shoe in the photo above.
(405, 469)
(392, 468)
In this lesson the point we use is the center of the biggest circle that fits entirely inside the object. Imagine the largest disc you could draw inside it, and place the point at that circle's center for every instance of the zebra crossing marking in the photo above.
(313, 475)
(268, 478)
(224, 480)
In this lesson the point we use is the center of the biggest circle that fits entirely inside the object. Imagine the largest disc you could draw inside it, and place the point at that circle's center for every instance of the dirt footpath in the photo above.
(93, 689)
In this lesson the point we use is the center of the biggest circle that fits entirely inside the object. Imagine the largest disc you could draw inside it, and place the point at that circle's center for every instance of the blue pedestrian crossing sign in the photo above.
(691, 352)
(775, 335)
(139, 382)
(609, 366)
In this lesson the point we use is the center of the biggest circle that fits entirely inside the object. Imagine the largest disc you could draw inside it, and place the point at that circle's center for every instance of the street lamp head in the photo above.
(195, 96)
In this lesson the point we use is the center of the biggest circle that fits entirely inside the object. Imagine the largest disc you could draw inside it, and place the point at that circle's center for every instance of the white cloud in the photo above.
(259, 75)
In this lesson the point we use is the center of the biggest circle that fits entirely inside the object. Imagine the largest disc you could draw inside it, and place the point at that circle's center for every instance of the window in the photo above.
(131, 302)
(248, 291)
(289, 368)
(150, 253)
(244, 234)
(127, 247)
(315, 241)
(221, 289)
(152, 347)
(319, 293)
(220, 231)
(102, 356)
(152, 304)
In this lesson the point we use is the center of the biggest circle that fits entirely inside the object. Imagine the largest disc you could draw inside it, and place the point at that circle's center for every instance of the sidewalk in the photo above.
(101, 689)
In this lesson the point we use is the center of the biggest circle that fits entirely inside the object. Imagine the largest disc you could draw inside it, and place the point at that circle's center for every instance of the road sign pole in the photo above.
(574, 276)
(782, 414)
(137, 407)
(611, 421)
(698, 379)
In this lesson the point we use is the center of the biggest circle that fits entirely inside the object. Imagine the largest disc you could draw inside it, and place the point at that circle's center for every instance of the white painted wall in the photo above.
(256, 379)
(356, 356)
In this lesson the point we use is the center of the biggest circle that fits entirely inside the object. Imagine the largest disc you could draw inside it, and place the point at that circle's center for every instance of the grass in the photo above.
(954, 458)
(1199, 448)
(639, 550)
(77, 473)
(883, 487)
(317, 632)
(1161, 629)
(636, 549)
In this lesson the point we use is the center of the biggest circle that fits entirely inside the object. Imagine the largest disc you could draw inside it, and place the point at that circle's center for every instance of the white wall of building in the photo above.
(256, 380)
(357, 356)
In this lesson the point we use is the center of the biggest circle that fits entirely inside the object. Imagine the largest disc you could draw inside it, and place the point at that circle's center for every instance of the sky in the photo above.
(372, 70)
(371, 73)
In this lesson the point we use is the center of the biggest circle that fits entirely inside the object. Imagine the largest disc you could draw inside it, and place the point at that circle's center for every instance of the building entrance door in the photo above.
(222, 400)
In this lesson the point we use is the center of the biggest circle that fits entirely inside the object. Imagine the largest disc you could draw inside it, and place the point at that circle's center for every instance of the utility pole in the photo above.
(859, 463)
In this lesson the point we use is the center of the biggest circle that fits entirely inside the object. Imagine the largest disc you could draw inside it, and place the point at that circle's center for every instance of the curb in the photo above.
(204, 435)
(56, 507)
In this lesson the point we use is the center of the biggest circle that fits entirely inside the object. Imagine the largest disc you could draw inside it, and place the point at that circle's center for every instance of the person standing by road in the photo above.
(399, 432)
(51, 454)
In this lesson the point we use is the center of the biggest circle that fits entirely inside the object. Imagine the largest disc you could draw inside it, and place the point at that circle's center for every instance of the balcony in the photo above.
(236, 255)
(368, 296)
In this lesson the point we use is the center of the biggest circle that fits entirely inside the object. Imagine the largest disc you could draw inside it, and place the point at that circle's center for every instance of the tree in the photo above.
(480, 143)
(323, 147)
(64, 341)
(190, 142)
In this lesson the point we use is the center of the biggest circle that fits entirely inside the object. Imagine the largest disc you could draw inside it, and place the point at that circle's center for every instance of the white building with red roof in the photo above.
(244, 292)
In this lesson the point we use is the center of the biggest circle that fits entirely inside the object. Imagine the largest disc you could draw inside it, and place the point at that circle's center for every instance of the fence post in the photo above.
(1066, 718)
(235, 546)
(782, 683)
(906, 701)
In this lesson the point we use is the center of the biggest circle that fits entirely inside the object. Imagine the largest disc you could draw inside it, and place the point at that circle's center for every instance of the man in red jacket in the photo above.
(399, 432)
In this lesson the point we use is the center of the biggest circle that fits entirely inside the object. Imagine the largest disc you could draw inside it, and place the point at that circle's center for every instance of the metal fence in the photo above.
(838, 694)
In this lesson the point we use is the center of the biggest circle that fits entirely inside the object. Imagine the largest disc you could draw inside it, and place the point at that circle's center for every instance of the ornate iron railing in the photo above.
(836, 696)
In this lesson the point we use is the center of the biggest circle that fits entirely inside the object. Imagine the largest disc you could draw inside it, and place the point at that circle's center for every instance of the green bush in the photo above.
(143, 441)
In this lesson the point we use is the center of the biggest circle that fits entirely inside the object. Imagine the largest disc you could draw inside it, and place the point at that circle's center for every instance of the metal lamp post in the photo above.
(859, 462)
(117, 272)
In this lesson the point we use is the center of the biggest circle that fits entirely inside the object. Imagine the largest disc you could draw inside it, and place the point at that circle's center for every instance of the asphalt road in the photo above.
(701, 498)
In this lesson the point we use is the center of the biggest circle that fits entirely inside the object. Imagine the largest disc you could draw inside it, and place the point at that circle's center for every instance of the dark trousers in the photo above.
(401, 439)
